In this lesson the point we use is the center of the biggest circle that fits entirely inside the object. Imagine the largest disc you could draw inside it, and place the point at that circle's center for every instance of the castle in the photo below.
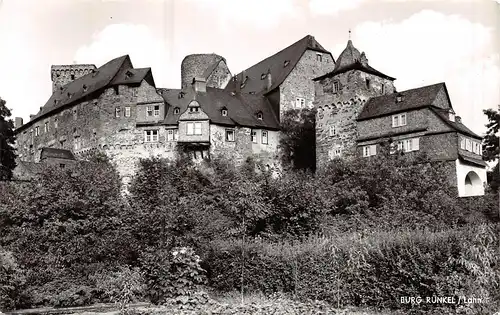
(118, 109)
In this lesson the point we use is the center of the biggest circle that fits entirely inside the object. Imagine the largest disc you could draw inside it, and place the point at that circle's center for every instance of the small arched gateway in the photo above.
(473, 184)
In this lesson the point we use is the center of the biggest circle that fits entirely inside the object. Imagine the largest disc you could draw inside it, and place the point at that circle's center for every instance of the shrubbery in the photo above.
(77, 241)
(373, 270)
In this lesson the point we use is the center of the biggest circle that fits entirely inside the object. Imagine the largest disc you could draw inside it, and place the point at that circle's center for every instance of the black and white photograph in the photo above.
(249, 157)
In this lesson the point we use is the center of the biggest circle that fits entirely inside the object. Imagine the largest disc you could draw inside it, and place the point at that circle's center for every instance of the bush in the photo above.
(172, 274)
(12, 281)
(374, 270)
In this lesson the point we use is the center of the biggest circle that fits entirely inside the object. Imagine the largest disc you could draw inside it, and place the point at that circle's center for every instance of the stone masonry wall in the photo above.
(92, 125)
(299, 82)
(220, 77)
(63, 74)
(340, 110)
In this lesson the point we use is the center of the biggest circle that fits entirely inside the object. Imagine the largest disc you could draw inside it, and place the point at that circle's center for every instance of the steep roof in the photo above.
(412, 99)
(422, 97)
(454, 124)
(352, 59)
(278, 65)
(111, 73)
(48, 153)
(242, 108)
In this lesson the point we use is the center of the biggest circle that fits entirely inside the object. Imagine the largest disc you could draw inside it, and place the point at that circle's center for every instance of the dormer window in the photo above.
(260, 116)
(224, 112)
(181, 94)
(451, 115)
(399, 98)
(286, 63)
(128, 74)
(177, 110)
(85, 88)
(263, 76)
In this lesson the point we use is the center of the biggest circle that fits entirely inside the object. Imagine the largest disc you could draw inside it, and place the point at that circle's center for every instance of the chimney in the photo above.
(269, 79)
(458, 119)
(200, 84)
(18, 122)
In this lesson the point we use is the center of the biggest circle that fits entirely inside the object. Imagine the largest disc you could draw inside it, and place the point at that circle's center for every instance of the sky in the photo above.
(419, 42)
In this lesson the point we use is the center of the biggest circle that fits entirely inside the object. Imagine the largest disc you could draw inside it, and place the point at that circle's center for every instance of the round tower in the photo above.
(198, 66)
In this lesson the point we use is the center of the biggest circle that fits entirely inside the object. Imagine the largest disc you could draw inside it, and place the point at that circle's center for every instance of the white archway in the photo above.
(473, 184)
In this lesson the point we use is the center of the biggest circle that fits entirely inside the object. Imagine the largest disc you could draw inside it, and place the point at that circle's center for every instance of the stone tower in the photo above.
(63, 74)
(339, 98)
(211, 67)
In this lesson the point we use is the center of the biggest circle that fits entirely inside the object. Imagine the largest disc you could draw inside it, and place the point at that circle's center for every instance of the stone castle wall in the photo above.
(339, 110)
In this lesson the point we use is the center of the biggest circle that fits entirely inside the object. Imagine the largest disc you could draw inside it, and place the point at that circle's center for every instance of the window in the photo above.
(193, 109)
(260, 116)
(176, 134)
(367, 81)
(319, 57)
(150, 135)
(336, 86)
(332, 131)
(369, 150)
(382, 89)
(37, 131)
(193, 128)
(72, 77)
(46, 126)
(399, 120)
(149, 111)
(55, 122)
(407, 145)
(224, 112)
(157, 110)
(170, 135)
(230, 135)
(399, 99)
(335, 152)
(254, 136)
(117, 112)
(134, 92)
(127, 111)
(176, 111)
(468, 144)
(75, 114)
(300, 102)
(264, 137)
(117, 91)
(62, 165)
(462, 143)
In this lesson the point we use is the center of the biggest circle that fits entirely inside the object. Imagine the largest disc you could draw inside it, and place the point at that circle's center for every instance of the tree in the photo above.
(298, 144)
(7, 138)
(491, 146)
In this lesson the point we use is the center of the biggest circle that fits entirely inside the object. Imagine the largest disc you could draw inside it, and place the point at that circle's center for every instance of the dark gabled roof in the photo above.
(275, 64)
(242, 108)
(412, 99)
(130, 76)
(352, 59)
(355, 66)
(111, 73)
(56, 153)
(454, 124)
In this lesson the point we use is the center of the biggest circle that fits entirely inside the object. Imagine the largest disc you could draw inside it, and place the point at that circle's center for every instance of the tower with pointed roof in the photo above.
(339, 98)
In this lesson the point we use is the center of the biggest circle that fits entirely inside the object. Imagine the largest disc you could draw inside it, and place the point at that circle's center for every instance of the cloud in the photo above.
(430, 47)
(135, 40)
(333, 7)
(260, 14)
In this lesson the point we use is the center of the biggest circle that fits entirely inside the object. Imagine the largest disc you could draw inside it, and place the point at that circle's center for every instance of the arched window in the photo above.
(224, 112)
(260, 116)
(177, 110)
(473, 184)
